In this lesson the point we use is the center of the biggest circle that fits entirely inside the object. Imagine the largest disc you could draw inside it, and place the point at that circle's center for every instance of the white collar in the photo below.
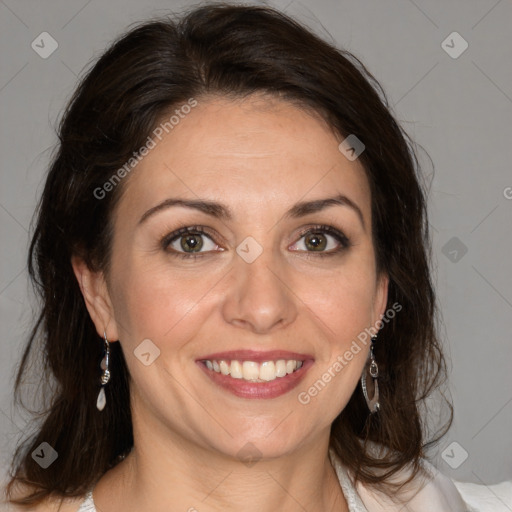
(430, 490)
(349, 491)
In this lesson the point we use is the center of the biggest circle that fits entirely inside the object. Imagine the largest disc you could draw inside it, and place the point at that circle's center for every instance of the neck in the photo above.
(165, 472)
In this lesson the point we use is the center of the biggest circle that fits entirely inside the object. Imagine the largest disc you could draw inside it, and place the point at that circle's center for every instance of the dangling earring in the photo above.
(105, 377)
(373, 404)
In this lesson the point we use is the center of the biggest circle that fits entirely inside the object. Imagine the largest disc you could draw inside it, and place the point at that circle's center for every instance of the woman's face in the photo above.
(249, 284)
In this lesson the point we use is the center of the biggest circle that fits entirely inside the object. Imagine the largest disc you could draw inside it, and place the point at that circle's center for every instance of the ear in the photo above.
(381, 297)
(97, 299)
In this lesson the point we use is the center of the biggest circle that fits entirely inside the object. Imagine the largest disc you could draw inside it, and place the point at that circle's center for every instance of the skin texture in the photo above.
(258, 156)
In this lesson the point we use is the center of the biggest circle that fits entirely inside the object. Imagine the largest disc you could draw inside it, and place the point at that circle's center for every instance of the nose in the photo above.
(259, 297)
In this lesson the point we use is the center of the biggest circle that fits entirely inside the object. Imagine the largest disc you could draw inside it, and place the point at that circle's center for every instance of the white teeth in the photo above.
(290, 366)
(250, 370)
(236, 370)
(281, 367)
(268, 371)
(253, 371)
(224, 367)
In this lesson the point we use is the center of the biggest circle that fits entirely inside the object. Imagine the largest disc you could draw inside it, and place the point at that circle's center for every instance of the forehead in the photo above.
(254, 154)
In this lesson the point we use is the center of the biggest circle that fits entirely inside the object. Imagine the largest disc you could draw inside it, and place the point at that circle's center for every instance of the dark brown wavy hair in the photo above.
(232, 51)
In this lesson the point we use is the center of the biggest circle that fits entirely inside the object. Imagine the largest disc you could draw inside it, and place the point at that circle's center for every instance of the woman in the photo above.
(232, 255)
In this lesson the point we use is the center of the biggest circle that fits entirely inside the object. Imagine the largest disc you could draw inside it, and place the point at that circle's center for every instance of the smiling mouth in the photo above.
(252, 371)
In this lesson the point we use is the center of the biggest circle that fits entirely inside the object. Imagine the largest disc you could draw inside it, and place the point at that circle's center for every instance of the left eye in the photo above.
(192, 243)
(318, 241)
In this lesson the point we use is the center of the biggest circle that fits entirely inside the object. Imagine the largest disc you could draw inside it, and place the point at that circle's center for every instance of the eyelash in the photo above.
(202, 230)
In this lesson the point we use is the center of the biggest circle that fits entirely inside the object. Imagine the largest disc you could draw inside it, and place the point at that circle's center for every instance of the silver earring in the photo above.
(105, 376)
(373, 404)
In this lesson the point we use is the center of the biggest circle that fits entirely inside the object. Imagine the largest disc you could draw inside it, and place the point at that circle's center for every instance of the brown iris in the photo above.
(191, 243)
(315, 241)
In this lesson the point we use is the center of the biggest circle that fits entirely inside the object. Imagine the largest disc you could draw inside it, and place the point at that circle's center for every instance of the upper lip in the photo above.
(257, 356)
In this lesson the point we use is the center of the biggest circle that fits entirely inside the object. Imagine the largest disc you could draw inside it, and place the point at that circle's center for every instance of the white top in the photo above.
(439, 494)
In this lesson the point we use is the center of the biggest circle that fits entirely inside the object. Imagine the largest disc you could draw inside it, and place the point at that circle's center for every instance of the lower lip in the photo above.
(245, 389)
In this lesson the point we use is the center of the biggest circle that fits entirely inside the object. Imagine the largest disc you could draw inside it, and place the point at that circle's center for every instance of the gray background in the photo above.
(458, 109)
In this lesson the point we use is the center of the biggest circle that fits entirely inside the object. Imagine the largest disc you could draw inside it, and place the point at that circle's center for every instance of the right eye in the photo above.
(189, 242)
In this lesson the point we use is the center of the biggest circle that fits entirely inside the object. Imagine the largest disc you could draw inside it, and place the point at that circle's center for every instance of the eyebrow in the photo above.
(223, 212)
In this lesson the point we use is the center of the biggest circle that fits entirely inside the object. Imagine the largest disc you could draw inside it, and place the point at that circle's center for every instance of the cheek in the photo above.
(343, 308)
(344, 302)
(155, 302)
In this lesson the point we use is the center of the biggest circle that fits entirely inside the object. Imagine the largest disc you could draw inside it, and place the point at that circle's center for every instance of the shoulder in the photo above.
(487, 498)
(468, 497)
(52, 504)
(429, 490)
(439, 489)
